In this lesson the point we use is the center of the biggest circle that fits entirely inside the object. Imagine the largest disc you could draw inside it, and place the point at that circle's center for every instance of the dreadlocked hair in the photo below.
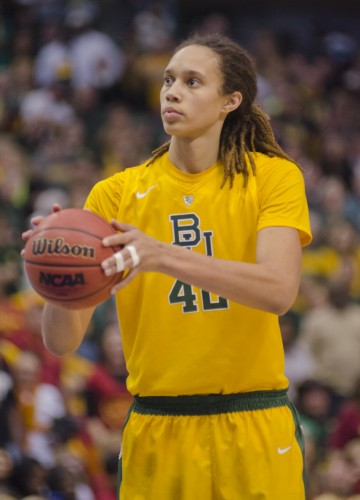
(247, 129)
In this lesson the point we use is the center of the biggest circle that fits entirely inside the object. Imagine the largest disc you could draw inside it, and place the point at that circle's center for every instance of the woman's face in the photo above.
(191, 102)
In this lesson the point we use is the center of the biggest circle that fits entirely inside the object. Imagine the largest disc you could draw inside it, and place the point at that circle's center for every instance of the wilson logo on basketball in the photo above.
(60, 280)
(58, 246)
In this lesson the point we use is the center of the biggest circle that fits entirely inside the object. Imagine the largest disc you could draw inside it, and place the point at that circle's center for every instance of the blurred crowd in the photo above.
(79, 102)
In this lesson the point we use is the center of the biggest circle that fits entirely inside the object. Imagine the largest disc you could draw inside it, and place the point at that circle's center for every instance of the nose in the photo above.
(173, 93)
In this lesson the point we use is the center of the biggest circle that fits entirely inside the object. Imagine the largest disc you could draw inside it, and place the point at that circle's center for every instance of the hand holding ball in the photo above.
(63, 258)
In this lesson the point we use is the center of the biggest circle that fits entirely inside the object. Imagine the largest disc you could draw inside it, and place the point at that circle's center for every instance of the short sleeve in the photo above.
(104, 198)
(282, 198)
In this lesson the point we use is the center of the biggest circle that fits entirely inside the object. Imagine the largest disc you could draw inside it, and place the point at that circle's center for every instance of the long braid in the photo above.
(241, 138)
(247, 129)
(158, 152)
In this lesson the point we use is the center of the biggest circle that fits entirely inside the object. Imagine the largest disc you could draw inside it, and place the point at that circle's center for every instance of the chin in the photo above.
(171, 128)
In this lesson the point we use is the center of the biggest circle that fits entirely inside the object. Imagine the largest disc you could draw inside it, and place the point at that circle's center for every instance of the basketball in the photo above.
(63, 256)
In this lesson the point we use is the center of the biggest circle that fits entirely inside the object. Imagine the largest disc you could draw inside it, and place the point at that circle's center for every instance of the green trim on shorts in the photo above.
(119, 471)
(300, 439)
(119, 477)
(211, 404)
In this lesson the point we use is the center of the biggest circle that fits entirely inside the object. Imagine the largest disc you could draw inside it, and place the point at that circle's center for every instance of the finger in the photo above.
(122, 226)
(127, 258)
(26, 234)
(125, 281)
(119, 262)
(36, 220)
(114, 264)
(56, 207)
(122, 238)
(113, 240)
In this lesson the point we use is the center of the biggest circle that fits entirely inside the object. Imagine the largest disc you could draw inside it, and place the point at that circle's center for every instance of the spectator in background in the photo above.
(215, 22)
(153, 37)
(97, 61)
(333, 203)
(353, 203)
(44, 200)
(11, 428)
(352, 453)
(52, 56)
(334, 159)
(153, 27)
(315, 403)
(338, 257)
(28, 478)
(27, 337)
(62, 483)
(299, 364)
(6, 469)
(313, 293)
(83, 172)
(45, 109)
(123, 139)
(333, 198)
(145, 70)
(10, 270)
(332, 335)
(107, 396)
(7, 105)
(14, 185)
(78, 461)
(337, 479)
(61, 160)
(347, 422)
(39, 404)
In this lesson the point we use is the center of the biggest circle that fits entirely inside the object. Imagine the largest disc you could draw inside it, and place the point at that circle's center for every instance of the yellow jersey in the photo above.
(178, 339)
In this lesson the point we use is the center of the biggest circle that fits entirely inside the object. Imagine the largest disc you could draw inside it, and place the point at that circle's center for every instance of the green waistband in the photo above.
(209, 404)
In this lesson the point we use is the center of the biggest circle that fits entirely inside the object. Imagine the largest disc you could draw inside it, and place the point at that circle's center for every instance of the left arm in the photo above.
(271, 284)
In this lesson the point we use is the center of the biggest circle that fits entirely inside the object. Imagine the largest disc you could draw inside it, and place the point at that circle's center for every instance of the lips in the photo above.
(171, 112)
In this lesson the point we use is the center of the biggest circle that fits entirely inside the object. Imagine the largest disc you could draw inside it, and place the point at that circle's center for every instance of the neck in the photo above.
(193, 155)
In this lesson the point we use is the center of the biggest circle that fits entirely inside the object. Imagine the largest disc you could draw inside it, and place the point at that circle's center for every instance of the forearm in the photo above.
(270, 283)
(63, 330)
(253, 285)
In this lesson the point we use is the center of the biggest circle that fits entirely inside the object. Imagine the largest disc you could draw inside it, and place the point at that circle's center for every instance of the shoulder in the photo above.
(276, 176)
(106, 195)
(274, 168)
(281, 196)
(116, 182)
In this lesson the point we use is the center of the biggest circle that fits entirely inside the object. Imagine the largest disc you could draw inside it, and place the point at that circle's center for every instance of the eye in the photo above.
(192, 82)
(168, 80)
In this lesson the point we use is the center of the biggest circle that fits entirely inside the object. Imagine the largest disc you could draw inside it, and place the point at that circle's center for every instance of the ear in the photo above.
(232, 101)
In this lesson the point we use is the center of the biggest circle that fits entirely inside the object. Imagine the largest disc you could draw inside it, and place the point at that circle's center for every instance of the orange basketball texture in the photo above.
(63, 256)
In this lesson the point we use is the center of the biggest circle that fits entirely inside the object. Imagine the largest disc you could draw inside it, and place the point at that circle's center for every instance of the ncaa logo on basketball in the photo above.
(61, 280)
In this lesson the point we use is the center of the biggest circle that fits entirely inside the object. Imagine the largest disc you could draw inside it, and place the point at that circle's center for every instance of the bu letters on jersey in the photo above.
(187, 233)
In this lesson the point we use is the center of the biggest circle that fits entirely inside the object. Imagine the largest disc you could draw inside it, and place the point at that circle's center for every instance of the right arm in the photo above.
(63, 330)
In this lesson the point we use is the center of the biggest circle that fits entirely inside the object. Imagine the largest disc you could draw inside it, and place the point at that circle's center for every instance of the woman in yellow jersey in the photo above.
(212, 228)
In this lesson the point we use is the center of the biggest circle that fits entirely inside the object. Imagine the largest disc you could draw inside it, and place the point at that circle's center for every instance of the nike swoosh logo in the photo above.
(281, 451)
(142, 195)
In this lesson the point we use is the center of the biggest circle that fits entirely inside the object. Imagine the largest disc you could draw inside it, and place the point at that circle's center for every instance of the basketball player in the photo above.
(212, 228)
